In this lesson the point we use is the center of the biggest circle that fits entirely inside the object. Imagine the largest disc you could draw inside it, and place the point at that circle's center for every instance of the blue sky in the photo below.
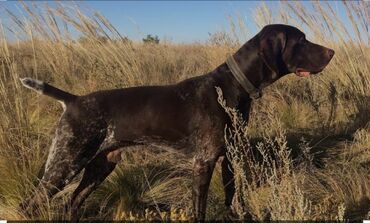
(178, 21)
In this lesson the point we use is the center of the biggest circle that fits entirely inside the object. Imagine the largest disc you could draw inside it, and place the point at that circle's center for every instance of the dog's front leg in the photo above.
(228, 181)
(202, 174)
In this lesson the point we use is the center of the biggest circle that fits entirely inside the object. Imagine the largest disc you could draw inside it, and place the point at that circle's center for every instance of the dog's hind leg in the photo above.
(95, 173)
(68, 155)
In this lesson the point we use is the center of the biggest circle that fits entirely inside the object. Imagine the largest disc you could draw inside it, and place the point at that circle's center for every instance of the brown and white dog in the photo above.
(185, 116)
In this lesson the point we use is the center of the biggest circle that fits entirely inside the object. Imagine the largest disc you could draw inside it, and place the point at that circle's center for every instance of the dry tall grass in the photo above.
(307, 146)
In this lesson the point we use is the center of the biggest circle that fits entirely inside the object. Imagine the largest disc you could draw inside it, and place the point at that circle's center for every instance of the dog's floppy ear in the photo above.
(272, 45)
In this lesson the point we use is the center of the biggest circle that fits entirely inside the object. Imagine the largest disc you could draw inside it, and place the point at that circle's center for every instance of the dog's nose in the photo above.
(330, 53)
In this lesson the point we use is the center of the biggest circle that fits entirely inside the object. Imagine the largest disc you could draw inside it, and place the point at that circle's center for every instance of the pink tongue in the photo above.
(304, 73)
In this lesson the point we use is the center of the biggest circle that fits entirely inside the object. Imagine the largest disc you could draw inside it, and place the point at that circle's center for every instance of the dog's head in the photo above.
(285, 50)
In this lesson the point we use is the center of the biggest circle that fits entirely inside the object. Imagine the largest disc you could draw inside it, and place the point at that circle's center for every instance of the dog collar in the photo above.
(254, 93)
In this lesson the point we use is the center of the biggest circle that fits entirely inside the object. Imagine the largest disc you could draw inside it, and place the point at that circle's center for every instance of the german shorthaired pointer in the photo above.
(94, 128)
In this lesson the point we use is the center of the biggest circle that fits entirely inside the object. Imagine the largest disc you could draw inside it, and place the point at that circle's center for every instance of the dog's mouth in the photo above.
(302, 72)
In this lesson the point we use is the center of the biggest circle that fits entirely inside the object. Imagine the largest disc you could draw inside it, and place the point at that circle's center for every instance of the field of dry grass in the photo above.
(304, 155)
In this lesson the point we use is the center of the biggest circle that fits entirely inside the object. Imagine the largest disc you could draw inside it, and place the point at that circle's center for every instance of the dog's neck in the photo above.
(253, 67)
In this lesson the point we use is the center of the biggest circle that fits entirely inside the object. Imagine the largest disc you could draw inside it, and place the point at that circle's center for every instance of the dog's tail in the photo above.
(46, 89)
